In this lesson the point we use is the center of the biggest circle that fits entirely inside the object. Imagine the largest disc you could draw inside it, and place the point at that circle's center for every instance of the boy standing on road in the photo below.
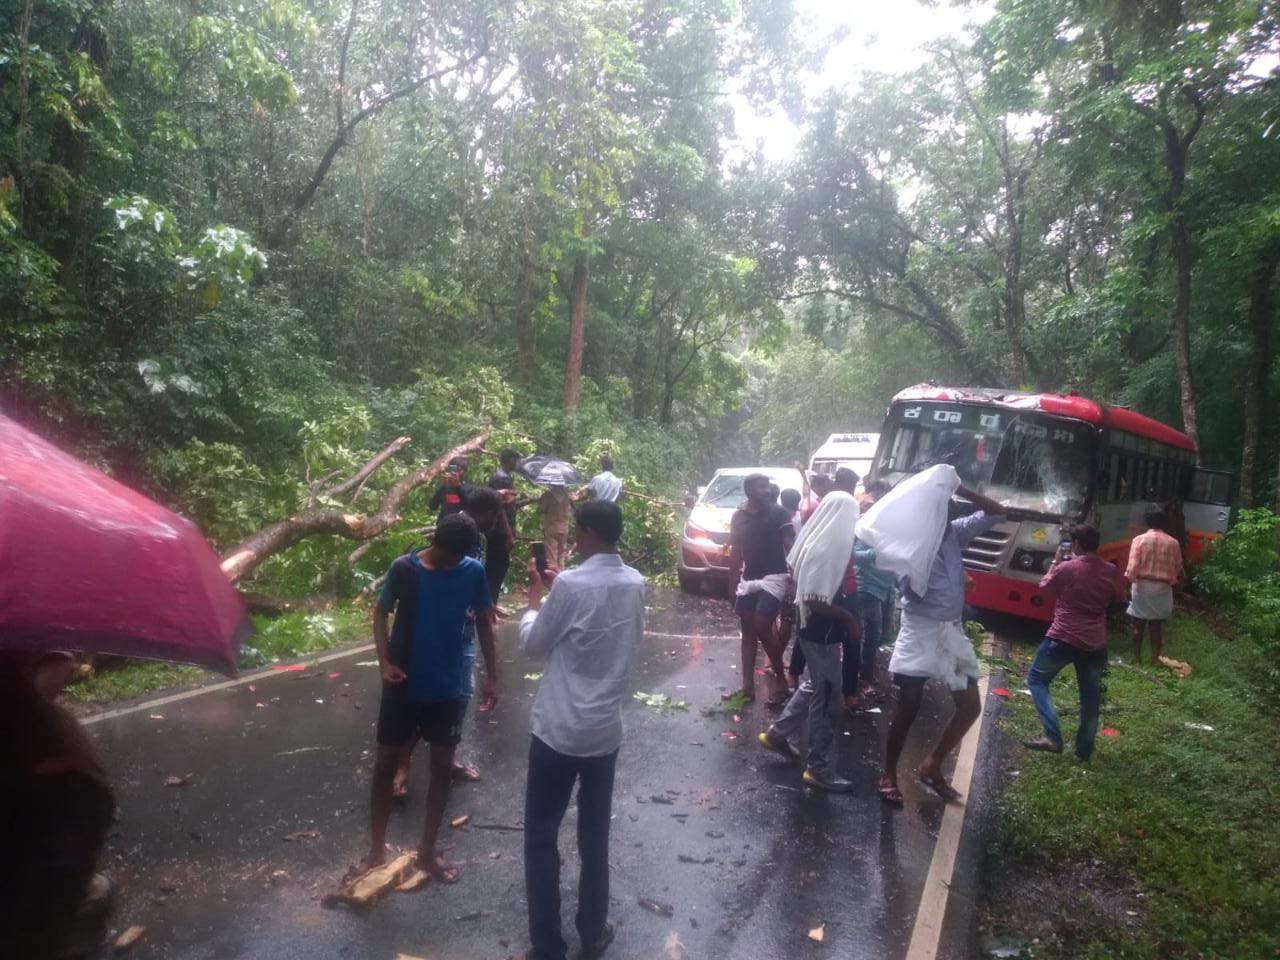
(588, 632)
(1085, 585)
(932, 643)
(423, 663)
(760, 536)
(1155, 565)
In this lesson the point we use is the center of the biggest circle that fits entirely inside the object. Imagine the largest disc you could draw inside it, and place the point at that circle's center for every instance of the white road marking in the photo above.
(268, 672)
(214, 687)
(927, 932)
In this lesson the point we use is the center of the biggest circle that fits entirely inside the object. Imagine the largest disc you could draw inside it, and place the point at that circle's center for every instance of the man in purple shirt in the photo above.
(1085, 586)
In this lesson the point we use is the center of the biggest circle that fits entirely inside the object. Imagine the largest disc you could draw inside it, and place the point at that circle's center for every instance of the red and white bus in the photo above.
(1057, 459)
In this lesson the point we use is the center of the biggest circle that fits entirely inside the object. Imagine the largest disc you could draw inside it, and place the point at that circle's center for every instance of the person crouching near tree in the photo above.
(424, 661)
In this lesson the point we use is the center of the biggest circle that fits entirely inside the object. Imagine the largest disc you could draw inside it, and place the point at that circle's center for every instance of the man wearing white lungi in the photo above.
(1155, 565)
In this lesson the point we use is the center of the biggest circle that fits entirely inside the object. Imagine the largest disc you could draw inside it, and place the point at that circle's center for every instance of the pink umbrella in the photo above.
(88, 564)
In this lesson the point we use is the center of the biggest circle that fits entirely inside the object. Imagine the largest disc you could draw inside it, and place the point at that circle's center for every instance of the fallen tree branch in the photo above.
(244, 558)
(365, 472)
(278, 606)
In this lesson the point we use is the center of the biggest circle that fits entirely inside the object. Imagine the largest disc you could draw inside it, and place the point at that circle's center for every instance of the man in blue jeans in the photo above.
(1084, 586)
(588, 633)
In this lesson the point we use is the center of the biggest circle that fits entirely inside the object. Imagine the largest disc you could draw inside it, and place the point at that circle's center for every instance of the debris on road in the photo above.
(468, 917)
(673, 949)
(715, 834)
(366, 663)
(999, 692)
(289, 667)
(461, 821)
(364, 888)
(657, 906)
(1181, 668)
(818, 933)
(659, 798)
(279, 876)
(533, 676)
(660, 701)
(1197, 726)
(335, 675)
(176, 781)
(414, 881)
(1109, 732)
(301, 835)
(157, 716)
(127, 939)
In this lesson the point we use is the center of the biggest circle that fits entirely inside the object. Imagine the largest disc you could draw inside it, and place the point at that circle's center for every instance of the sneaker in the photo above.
(598, 948)
(1043, 743)
(826, 780)
(779, 745)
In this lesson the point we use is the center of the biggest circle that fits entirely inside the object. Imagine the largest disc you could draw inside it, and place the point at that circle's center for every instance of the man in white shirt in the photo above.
(588, 633)
(604, 485)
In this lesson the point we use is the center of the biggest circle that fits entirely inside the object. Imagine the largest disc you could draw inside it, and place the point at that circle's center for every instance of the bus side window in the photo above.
(1115, 481)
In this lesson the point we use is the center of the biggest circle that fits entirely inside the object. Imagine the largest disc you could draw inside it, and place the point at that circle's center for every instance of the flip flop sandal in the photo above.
(940, 786)
(461, 773)
(890, 795)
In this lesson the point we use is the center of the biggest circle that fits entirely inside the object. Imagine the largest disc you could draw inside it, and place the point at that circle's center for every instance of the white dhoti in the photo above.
(937, 649)
(1151, 600)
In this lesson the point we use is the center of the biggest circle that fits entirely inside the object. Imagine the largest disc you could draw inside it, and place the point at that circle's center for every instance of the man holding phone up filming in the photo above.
(1084, 586)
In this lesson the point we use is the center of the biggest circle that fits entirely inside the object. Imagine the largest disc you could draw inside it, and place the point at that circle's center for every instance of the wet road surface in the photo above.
(704, 820)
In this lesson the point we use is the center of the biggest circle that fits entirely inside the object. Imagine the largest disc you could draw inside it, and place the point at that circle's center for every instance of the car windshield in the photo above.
(1026, 460)
(725, 491)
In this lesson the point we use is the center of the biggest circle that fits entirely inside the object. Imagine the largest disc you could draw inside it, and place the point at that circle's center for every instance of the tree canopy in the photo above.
(245, 245)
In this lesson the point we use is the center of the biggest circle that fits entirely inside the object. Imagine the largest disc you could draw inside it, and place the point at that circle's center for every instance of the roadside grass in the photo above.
(1183, 819)
(274, 639)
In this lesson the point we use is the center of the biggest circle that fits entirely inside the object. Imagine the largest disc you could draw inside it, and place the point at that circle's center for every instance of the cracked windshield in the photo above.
(1025, 460)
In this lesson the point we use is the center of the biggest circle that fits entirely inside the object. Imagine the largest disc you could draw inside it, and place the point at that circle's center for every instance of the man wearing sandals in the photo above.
(588, 633)
(760, 535)
(932, 644)
(424, 661)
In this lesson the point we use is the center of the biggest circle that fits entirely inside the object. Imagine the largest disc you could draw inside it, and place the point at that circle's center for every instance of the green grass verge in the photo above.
(274, 639)
(1186, 817)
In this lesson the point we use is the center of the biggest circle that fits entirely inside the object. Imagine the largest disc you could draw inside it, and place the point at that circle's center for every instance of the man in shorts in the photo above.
(760, 536)
(932, 644)
(423, 662)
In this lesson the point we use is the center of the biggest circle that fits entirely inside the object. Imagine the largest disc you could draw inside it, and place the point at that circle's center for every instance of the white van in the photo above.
(853, 450)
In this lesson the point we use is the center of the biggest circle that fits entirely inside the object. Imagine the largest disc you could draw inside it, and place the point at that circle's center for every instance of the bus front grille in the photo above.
(986, 551)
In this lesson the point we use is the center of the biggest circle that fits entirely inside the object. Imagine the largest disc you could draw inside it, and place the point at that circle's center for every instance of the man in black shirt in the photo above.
(760, 536)
(451, 496)
(498, 556)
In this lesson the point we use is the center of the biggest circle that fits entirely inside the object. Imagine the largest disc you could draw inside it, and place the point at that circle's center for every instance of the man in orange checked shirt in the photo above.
(1155, 565)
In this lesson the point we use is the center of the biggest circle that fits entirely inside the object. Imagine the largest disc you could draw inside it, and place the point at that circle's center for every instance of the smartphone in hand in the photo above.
(539, 550)
(1064, 549)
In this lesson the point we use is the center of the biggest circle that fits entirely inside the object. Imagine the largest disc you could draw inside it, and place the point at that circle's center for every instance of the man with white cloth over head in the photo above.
(932, 644)
(819, 559)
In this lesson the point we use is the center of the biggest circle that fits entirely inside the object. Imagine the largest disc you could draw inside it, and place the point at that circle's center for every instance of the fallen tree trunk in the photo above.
(244, 558)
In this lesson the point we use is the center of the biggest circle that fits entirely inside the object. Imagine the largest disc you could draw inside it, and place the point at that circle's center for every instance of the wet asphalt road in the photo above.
(197, 865)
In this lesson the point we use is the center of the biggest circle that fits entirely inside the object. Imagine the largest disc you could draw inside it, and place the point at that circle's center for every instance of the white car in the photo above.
(705, 540)
(854, 450)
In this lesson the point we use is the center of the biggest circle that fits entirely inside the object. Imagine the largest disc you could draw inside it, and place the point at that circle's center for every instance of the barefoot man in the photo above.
(423, 663)
(932, 644)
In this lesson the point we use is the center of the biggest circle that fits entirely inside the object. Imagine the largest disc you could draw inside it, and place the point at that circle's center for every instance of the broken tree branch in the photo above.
(372, 464)
(244, 558)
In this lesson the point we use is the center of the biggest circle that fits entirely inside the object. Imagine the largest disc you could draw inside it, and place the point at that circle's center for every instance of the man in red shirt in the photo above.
(1084, 585)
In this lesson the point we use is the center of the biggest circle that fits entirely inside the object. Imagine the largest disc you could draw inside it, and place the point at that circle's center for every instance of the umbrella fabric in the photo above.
(88, 564)
(548, 471)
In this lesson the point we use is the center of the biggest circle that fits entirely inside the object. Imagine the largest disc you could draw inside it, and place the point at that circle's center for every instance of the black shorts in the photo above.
(399, 718)
(906, 680)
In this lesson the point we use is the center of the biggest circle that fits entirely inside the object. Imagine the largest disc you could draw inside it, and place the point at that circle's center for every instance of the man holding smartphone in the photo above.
(1084, 586)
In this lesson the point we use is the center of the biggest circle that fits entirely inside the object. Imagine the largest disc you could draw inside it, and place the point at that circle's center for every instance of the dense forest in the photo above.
(246, 245)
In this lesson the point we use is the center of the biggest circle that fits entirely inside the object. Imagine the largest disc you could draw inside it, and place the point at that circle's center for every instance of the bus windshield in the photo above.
(1027, 460)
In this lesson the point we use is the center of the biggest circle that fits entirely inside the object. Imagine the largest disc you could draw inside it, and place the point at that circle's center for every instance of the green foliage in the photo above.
(1151, 812)
(1241, 576)
(295, 635)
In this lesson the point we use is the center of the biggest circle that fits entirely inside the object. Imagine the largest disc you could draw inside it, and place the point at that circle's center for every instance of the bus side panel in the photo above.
(990, 591)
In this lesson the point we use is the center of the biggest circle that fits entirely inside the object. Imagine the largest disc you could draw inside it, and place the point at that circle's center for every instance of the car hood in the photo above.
(714, 519)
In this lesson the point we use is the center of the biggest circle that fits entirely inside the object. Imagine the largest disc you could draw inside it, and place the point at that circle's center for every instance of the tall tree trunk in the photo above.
(526, 342)
(1176, 163)
(1015, 303)
(1261, 302)
(577, 332)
